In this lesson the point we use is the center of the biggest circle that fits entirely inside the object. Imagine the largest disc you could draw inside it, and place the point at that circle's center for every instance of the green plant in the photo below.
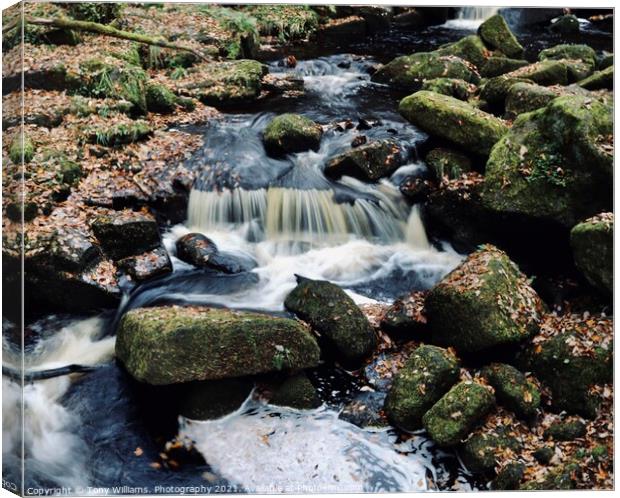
(281, 359)
(101, 12)
(178, 73)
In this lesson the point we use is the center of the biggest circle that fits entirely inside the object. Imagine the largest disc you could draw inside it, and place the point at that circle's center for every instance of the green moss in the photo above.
(546, 72)
(332, 313)
(70, 172)
(562, 477)
(287, 22)
(449, 163)
(513, 390)
(453, 120)
(592, 242)
(526, 97)
(160, 99)
(480, 452)
(569, 51)
(496, 66)
(470, 48)
(494, 90)
(173, 344)
(296, 392)
(101, 12)
(452, 87)
(496, 33)
(420, 383)
(21, 150)
(544, 454)
(599, 80)
(565, 431)
(509, 477)
(291, 133)
(453, 417)
(119, 134)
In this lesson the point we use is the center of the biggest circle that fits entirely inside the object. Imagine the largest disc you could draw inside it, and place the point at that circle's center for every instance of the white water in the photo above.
(470, 18)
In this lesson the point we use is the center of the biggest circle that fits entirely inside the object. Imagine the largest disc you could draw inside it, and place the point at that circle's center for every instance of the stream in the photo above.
(280, 218)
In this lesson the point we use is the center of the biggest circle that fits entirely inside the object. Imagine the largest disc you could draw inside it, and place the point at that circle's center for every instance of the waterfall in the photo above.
(476, 13)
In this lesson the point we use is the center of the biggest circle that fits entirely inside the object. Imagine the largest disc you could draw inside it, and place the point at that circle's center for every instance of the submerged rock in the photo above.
(512, 389)
(420, 383)
(484, 303)
(334, 315)
(459, 89)
(453, 120)
(175, 344)
(365, 410)
(496, 33)
(291, 133)
(409, 71)
(369, 162)
(496, 66)
(296, 392)
(592, 242)
(126, 233)
(453, 417)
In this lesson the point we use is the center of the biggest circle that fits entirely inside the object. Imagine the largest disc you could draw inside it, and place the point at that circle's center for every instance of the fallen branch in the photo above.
(33, 375)
(102, 29)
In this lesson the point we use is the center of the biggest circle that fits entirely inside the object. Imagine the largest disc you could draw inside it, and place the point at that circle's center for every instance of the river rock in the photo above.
(496, 33)
(126, 233)
(453, 417)
(174, 344)
(409, 71)
(195, 249)
(496, 66)
(453, 120)
(565, 430)
(459, 89)
(512, 389)
(447, 162)
(599, 80)
(369, 162)
(485, 302)
(213, 399)
(509, 477)
(296, 392)
(494, 90)
(291, 133)
(555, 163)
(605, 60)
(470, 48)
(420, 383)
(334, 315)
(405, 317)
(481, 450)
(526, 97)
(592, 242)
(147, 265)
(560, 477)
(544, 454)
(566, 25)
(546, 72)
(570, 355)
(570, 51)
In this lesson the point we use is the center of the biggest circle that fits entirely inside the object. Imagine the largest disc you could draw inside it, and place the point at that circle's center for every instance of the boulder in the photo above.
(496, 33)
(496, 66)
(405, 317)
(470, 48)
(453, 120)
(599, 80)
(494, 90)
(566, 25)
(567, 430)
(174, 344)
(409, 71)
(512, 389)
(544, 454)
(213, 399)
(447, 163)
(296, 392)
(459, 89)
(291, 133)
(200, 251)
(570, 51)
(147, 265)
(426, 376)
(368, 162)
(509, 477)
(561, 477)
(570, 355)
(555, 164)
(605, 60)
(546, 72)
(485, 302)
(160, 99)
(481, 450)
(454, 416)
(126, 233)
(334, 315)
(341, 31)
(526, 97)
(592, 242)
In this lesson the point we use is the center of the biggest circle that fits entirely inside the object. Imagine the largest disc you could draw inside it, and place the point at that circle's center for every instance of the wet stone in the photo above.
(126, 233)
(365, 410)
(147, 265)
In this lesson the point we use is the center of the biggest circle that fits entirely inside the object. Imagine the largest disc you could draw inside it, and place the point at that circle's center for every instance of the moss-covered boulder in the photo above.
(555, 163)
(570, 51)
(496, 33)
(447, 163)
(599, 80)
(494, 90)
(592, 242)
(174, 344)
(459, 89)
(21, 149)
(291, 133)
(566, 25)
(496, 66)
(560, 477)
(605, 60)
(454, 416)
(481, 450)
(213, 399)
(126, 233)
(512, 389)
(368, 162)
(426, 376)
(160, 99)
(509, 477)
(121, 133)
(546, 72)
(566, 430)
(544, 454)
(527, 97)
(485, 302)
(453, 120)
(570, 355)
(409, 71)
(470, 48)
(296, 392)
(334, 315)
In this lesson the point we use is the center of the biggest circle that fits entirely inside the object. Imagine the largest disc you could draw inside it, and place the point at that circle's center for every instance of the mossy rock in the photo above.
(513, 390)
(526, 97)
(405, 317)
(546, 72)
(494, 90)
(592, 242)
(334, 315)
(21, 149)
(570, 51)
(420, 383)
(291, 133)
(454, 416)
(509, 477)
(496, 33)
(70, 172)
(296, 392)
(173, 344)
(459, 89)
(368, 162)
(470, 48)
(213, 399)
(481, 450)
(577, 70)
(447, 162)
(555, 163)
(453, 120)
(160, 99)
(544, 454)
(599, 80)
(126, 233)
(566, 25)
(605, 60)
(16, 209)
(496, 66)
(561, 477)
(565, 431)
(409, 71)
(119, 134)
(484, 303)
